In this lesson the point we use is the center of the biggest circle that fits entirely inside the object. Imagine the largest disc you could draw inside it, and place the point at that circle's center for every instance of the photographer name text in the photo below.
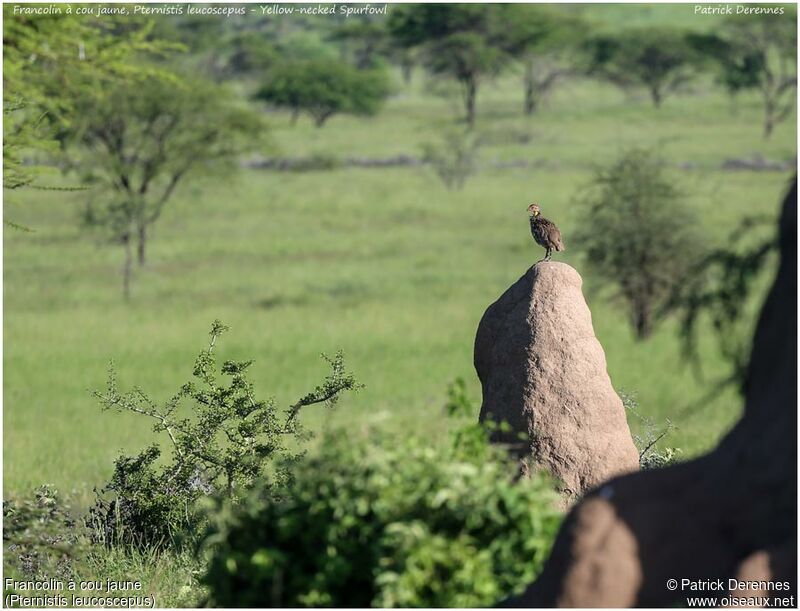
(736, 9)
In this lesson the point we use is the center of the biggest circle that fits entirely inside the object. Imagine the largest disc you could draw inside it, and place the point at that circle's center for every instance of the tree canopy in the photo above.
(323, 88)
(660, 59)
(134, 144)
(546, 42)
(757, 52)
(637, 235)
(457, 41)
(46, 60)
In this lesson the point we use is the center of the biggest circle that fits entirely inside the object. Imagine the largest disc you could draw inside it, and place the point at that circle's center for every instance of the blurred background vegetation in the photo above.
(324, 183)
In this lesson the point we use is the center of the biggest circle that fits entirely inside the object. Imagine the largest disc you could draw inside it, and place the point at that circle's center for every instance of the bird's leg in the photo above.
(549, 254)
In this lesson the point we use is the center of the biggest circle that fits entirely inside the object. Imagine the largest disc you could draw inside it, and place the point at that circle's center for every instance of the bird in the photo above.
(545, 232)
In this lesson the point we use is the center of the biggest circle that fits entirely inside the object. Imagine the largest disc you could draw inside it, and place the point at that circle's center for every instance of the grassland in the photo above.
(383, 263)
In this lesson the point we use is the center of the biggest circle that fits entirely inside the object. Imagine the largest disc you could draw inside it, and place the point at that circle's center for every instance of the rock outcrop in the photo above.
(731, 514)
(544, 372)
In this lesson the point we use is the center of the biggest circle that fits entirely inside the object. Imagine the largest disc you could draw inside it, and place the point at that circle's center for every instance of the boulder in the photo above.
(544, 372)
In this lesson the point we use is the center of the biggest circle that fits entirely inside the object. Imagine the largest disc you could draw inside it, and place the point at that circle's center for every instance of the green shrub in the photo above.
(639, 235)
(392, 522)
(650, 456)
(41, 539)
(459, 403)
(454, 157)
(44, 541)
(656, 458)
(231, 439)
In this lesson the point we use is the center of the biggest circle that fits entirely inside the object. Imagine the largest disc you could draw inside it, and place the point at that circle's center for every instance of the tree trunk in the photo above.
(530, 92)
(141, 246)
(530, 99)
(295, 115)
(655, 95)
(320, 118)
(642, 319)
(126, 267)
(769, 118)
(364, 58)
(471, 89)
(407, 69)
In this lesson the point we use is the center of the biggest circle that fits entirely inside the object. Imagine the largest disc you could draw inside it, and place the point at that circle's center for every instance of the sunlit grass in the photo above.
(383, 263)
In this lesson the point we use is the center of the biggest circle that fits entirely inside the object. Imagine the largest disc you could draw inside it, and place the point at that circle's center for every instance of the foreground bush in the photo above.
(45, 541)
(224, 442)
(387, 523)
(41, 539)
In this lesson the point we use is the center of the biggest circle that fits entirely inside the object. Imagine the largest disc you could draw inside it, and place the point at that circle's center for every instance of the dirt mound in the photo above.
(544, 372)
(731, 514)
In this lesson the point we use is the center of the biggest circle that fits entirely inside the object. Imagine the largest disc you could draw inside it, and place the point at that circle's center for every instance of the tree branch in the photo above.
(305, 401)
(173, 182)
(152, 413)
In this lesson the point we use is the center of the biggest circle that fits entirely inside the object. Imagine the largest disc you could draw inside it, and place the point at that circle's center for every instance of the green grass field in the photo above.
(383, 263)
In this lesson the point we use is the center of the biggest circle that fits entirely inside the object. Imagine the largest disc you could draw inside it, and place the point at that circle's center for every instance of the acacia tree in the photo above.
(250, 52)
(638, 236)
(544, 42)
(364, 41)
(466, 57)
(660, 59)
(758, 52)
(136, 143)
(323, 88)
(45, 57)
(457, 41)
